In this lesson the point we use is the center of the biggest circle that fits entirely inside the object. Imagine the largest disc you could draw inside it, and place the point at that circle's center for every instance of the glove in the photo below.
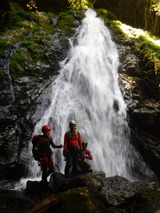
(60, 146)
(64, 153)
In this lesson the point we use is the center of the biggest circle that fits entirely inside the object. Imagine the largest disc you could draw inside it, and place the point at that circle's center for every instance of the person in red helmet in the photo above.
(72, 147)
(43, 146)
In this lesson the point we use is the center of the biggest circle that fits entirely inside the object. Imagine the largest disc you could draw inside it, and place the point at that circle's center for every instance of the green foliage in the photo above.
(3, 45)
(145, 43)
(155, 5)
(81, 4)
(14, 20)
(27, 15)
(49, 28)
(31, 47)
(16, 61)
(35, 43)
(148, 48)
(66, 20)
(105, 15)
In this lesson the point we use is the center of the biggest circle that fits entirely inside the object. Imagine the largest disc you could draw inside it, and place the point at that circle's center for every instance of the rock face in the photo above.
(92, 192)
(142, 95)
(24, 98)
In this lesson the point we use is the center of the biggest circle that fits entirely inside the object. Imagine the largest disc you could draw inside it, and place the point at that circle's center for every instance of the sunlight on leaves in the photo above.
(156, 6)
(81, 4)
(135, 33)
(31, 5)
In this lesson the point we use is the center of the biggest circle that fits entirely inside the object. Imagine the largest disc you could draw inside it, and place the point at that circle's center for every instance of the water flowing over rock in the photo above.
(86, 90)
(46, 91)
(32, 98)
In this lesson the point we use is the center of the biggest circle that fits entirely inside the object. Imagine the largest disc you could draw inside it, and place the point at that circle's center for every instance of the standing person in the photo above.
(43, 152)
(72, 147)
(86, 154)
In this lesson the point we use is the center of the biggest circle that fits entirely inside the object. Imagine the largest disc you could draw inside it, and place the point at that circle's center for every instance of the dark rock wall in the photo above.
(19, 116)
(141, 94)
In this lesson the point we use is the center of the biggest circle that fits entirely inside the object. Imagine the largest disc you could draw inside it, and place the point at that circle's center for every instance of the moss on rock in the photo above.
(75, 200)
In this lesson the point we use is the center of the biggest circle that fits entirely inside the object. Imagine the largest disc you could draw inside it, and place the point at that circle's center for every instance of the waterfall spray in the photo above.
(87, 91)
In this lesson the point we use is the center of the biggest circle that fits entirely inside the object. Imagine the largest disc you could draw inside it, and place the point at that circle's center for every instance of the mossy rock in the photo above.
(77, 200)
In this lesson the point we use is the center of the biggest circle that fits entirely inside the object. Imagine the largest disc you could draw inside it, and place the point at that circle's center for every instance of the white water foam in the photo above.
(87, 91)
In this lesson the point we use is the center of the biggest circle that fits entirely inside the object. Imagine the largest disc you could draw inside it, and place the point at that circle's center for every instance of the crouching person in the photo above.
(86, 154)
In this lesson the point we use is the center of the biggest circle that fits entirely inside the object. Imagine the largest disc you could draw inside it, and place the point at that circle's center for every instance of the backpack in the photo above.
(70, 135)
(35, 152)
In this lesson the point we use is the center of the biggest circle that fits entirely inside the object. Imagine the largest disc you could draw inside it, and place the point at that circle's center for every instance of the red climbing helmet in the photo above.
(46, 127)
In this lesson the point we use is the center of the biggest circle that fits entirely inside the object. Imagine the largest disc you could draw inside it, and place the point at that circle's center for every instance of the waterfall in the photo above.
(87, 91)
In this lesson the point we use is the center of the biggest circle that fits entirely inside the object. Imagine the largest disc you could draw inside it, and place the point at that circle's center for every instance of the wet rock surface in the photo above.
(92, 192)
(31, 98)
(142, 96)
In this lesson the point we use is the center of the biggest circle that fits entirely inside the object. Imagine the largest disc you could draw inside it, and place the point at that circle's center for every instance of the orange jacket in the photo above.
(72, 140)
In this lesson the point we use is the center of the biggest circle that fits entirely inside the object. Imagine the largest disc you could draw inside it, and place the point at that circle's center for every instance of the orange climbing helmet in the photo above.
(46, 127)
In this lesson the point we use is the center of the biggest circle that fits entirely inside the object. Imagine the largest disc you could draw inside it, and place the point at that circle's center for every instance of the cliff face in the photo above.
(137, 13)
(28, 65)
(34, 44)
(142, 95)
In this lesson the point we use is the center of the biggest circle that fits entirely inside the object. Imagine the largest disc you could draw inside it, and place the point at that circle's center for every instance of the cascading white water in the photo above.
(87, 91)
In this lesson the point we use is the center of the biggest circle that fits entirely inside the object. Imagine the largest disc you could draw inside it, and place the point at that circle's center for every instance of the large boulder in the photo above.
(117, 191)
(96, 191)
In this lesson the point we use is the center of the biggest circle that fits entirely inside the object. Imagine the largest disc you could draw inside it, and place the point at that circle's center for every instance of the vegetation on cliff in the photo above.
(33, 28)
